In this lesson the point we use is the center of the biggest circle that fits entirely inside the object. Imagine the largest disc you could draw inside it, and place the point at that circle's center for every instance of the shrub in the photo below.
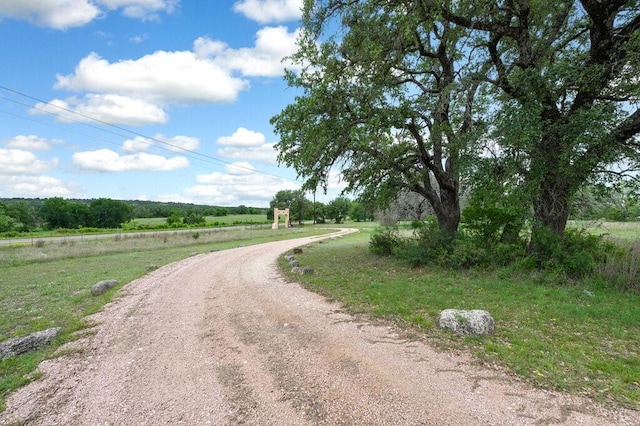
(491, 224)
(576, 252)
(429, 245)
(385, 242)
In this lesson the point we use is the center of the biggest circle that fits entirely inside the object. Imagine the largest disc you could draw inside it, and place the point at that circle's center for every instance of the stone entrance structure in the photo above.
(276, 217)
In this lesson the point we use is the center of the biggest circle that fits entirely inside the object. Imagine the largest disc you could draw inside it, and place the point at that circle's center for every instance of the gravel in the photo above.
(222, 339)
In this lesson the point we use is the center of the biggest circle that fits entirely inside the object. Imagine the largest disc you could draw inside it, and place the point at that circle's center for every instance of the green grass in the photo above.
(552, 334)
(615, 230)
(221, 220)
(49, 286)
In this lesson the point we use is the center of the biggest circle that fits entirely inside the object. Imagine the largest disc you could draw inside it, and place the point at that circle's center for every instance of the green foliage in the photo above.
(108, 213)
(174, 220)
(385, 242)
(488, 223)
(368, 107)
(338, 209)
(221, 211)
(429, 245)
(619, 203)
(576, 253)
(29, 215)
(194, 219)
(360, 212)
(7, 223)
(60, 213)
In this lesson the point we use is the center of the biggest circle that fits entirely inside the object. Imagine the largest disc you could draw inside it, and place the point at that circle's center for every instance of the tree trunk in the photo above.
(448, 211)
(550, 211)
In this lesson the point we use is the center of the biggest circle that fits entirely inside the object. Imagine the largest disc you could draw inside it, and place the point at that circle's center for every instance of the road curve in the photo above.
(222, 339)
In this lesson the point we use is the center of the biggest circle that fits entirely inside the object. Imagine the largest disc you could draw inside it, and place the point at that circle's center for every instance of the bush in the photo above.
(429, 245)
(576, 252)
(385, 242)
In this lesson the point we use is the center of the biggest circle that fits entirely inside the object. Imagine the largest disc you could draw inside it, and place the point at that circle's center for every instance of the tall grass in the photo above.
(622, 268)
(42, 250)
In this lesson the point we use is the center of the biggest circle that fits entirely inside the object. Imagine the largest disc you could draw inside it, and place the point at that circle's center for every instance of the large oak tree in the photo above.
(386, 99)
(566, 77)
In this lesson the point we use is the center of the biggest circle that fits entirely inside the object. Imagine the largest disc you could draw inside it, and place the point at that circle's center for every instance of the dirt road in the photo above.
(221, 339)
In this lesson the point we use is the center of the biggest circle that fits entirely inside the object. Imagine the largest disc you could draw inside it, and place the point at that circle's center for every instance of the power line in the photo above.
(83, 121)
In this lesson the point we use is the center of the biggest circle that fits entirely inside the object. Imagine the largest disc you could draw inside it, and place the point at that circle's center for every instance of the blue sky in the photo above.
(187, 88)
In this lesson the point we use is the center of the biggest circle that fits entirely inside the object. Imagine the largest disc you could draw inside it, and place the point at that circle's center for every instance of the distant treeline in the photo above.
(29, 214)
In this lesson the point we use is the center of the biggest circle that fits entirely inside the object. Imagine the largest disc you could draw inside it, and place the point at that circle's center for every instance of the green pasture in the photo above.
(617, 230)
(211, 220)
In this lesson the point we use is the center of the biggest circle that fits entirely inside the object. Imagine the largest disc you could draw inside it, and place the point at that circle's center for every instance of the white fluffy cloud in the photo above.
(19, 161)
(106, 160)
(108, 108)
(247, 145)
(138, 91)
(58, 14)
(242, 138)
(264, 59)
(38, 186)
(175, 143)
(31, 143)
(64, 14)
(239, 185)
(179, 77)
(268, 11)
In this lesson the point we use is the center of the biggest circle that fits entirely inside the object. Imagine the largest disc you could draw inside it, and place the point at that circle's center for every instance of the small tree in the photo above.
(338, 209)
(299, 207)
(174, 220)
(108, 213)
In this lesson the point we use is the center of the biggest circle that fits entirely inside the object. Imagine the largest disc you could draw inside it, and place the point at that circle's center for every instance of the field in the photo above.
(580, 337)
(629, 231)
(217, 220)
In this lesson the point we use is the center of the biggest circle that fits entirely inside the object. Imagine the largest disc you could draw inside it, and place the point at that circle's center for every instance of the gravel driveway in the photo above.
(222, 339)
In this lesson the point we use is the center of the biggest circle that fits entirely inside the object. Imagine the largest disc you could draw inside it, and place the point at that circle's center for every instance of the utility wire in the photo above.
(84, 117)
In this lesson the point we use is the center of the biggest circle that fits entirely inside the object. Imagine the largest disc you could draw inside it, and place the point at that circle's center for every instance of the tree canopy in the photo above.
(538, 98)
(386, 101)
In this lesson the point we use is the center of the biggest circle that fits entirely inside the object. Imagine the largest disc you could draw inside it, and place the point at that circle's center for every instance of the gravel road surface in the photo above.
(222, 339)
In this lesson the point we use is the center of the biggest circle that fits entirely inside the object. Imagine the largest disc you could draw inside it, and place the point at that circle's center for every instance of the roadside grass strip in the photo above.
(578, 337)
